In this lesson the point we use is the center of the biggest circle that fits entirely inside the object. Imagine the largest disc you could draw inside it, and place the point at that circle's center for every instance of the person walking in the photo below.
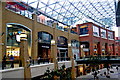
(117, 68)
(95, 75)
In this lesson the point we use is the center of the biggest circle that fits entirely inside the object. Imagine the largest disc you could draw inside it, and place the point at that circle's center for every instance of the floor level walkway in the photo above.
(113, 73)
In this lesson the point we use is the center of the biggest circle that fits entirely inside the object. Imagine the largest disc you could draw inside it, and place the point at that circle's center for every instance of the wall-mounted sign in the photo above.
(84, 30)
(62, 41)
(85, 49)
(44, 45)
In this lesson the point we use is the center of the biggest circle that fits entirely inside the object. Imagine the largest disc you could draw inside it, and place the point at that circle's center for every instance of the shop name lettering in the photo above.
(45, 46)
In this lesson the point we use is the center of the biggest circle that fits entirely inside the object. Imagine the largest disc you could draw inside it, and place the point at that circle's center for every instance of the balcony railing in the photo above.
(7, 64)
(73, 32)
(63, 59)
(25, 13)
(105, 57)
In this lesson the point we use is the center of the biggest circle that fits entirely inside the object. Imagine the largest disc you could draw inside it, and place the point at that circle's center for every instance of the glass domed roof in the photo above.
(70, 12)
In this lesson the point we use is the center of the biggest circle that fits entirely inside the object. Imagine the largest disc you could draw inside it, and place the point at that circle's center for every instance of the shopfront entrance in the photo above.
(44, 50)
(44, 46)
(62, 54)
(14, 32)
(62, 48)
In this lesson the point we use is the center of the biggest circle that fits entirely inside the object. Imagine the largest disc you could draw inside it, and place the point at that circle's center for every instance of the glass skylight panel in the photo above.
(34, 4)
(60, 9)
(45, 1)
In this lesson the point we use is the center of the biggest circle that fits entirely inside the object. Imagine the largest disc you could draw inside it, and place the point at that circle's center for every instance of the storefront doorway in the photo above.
(62, 54)
(44, 50)
(44, 45)
(14, 32)
(62, 48)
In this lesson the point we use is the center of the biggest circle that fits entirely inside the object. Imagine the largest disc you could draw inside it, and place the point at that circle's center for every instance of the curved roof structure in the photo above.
(71, 11)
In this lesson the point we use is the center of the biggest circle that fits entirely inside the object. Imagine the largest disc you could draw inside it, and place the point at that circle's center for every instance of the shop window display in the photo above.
(44, 37)
(13, 39)
(62, 51)
(75, 49)
(44, 45)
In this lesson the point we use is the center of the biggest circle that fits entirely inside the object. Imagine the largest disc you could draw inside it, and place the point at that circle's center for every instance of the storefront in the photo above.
(44, 44)
(62, 48)
(14, 32)
(84, 49)
(75, 49)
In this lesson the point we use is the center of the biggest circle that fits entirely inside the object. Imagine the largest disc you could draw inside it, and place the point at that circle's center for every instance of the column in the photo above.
(70, 54)
(1, 39)
(91, 48)
(25, 59)
(34, 35)
(2, 31)
(3, 28)
(0, 34)
(113, 46)
(54, 48)
(91, 39)
(99, 46)
(106, 48)
(84, 72)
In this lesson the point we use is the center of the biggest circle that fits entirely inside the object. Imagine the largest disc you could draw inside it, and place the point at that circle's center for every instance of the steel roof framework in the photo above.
(71, 11)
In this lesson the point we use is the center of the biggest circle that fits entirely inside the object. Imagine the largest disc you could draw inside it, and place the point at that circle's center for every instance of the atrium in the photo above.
(59, 39)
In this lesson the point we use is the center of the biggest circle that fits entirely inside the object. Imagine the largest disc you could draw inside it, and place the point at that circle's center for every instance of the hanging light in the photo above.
(52, 42)
(69, 44)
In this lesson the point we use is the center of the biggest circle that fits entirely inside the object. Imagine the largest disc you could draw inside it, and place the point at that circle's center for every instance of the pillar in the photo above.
(0, 34)
(70, 54)
(34, 50)
(54, 48)
(106, 48)
(113, 46)
(2, 30)
(99, 46)
(1, 39)
(91, 48)
(24, 56)
(84, 68)
(90, 32)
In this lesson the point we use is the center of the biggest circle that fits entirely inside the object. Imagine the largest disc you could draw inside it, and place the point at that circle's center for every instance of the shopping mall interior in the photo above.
(59, 39)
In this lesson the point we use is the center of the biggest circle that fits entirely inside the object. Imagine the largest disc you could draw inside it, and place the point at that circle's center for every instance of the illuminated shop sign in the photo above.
(62, 41)
(85, 49)
(44, 45)
(44, 37)
(84, 30)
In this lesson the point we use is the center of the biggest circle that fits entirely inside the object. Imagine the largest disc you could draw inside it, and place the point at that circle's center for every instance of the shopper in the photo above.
(95, 75)
(39, 60)
(117, 68)
(12, 61)
(4, 61)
